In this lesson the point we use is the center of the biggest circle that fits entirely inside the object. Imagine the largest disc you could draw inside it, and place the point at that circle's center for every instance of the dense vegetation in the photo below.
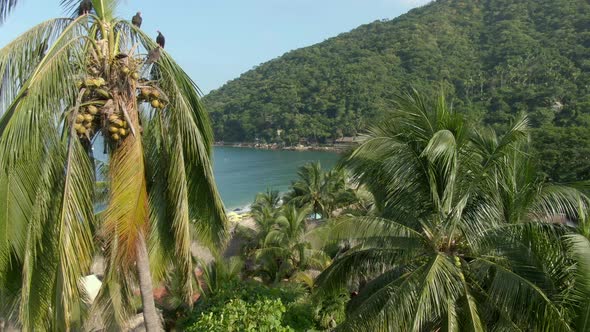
(497, 58)
(437, 225)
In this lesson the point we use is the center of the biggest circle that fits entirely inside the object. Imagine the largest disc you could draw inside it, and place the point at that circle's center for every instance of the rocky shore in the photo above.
(275, 146)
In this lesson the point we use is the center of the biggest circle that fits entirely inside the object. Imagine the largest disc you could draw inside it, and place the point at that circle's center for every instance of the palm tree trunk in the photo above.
(150, 315)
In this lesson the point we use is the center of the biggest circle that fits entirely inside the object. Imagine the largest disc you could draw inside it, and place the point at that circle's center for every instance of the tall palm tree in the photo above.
(463, 240)
(92, 83)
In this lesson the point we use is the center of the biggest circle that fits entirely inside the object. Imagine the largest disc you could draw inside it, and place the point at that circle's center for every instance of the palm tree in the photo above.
(290, 245)
(92, 82)
(323, 191)
(218, 274)
(265, 211)
(462, 241)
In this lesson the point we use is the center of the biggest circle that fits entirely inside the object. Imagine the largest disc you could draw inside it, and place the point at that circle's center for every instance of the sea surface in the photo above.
(241, 173)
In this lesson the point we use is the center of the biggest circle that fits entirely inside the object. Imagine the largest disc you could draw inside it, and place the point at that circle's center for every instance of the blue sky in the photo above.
(217, 40)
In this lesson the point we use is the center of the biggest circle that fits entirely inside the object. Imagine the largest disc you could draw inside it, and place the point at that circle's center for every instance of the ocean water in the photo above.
(241, 173)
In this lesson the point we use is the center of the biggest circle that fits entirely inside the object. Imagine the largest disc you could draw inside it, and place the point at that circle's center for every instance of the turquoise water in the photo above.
(241, 173)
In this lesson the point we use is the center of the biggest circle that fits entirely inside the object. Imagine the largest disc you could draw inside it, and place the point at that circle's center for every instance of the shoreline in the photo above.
(275, 146)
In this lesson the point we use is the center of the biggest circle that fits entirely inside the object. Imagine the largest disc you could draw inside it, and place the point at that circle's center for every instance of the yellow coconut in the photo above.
(115, 137)
(92, 109)
(125, 125)
(79, 118)
(113, 129)
(155, 93)
(81, 131)
(155, 103)
(145, 93)
(113, 117)
(117, 122)
(88, 117)
(88, 125)
(135, 76)
(125, 70)
(122, 132)
(77, 126)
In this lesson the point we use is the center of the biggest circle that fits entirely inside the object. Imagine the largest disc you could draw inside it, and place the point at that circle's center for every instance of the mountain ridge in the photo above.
(497, 58)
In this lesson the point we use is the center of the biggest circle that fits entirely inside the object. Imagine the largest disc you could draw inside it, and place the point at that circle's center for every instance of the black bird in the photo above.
(136, 20)
(85, 7)
(160, 39)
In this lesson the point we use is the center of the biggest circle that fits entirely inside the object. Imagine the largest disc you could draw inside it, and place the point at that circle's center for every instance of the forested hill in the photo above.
(496, 57)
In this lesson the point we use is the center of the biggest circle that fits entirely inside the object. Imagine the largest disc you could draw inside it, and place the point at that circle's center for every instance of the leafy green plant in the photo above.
(237, 315)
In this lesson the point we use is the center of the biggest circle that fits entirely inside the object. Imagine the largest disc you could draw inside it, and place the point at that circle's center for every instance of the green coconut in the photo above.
(103, 93)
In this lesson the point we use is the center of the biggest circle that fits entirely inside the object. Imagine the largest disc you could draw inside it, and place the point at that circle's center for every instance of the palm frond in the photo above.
(579, 247)
(127, 214)
(6, 7)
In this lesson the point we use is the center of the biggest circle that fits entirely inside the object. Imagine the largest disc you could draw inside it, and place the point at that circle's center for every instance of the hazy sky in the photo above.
(217, 40)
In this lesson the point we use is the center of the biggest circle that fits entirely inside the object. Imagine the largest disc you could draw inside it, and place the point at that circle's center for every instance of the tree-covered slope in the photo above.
(496, 57)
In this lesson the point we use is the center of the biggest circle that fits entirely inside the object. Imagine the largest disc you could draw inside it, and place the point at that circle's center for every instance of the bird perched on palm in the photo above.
(160, 40)
(137, 20)
(85, 7)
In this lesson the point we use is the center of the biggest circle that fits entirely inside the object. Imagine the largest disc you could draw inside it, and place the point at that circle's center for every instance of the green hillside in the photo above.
(495, 57)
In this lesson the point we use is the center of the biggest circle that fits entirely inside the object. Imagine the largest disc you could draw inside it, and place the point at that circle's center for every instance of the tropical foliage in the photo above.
(498, 58)
(323, 191)
(464, 238)
(67, 84)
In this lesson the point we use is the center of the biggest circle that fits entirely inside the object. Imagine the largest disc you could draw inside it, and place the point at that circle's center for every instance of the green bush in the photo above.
(250, 293)
(264, 315)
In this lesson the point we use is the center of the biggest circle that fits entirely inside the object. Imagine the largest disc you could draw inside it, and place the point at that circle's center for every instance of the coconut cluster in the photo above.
(118, 127)
(104, 95)
(87, 121)
(153, 96)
